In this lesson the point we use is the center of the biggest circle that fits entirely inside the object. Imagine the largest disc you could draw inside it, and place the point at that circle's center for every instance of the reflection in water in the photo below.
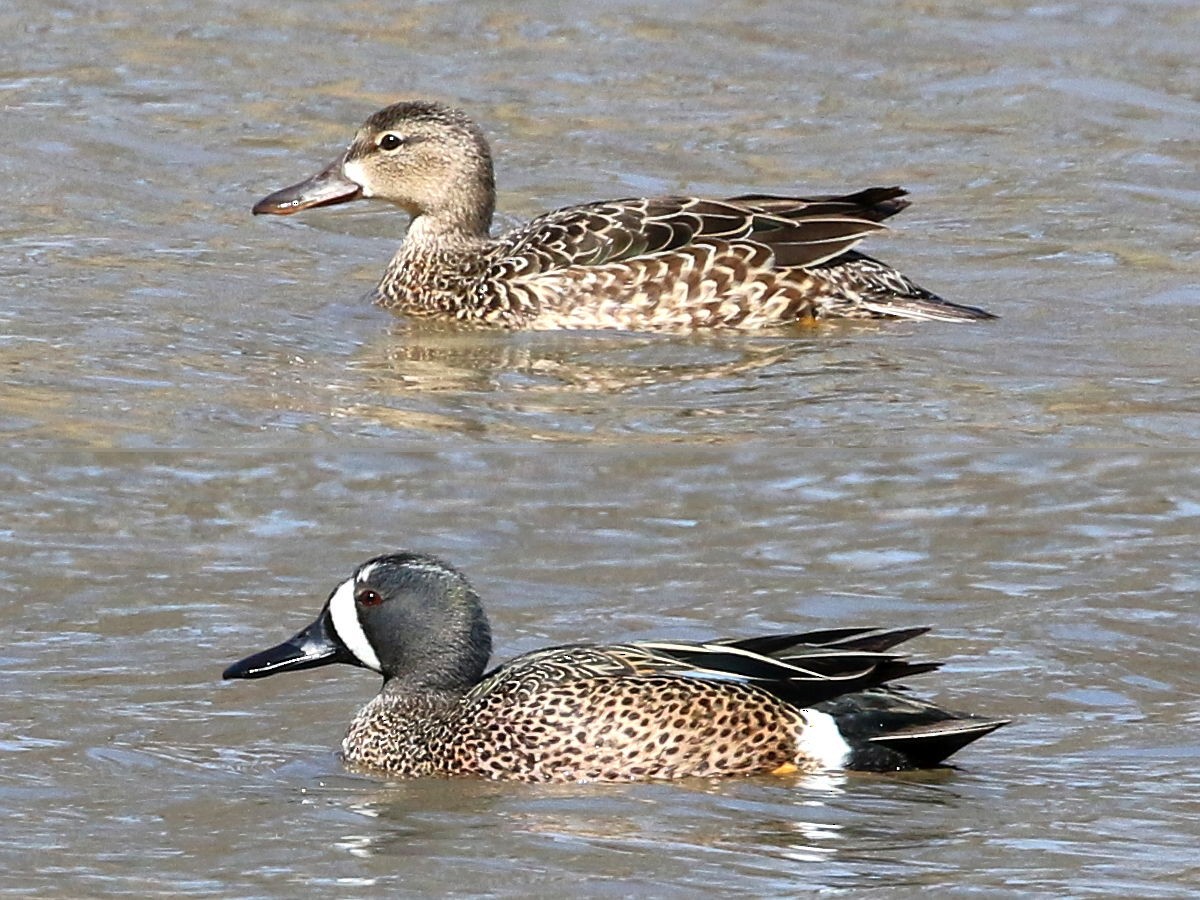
(477, 360)
(360, 845)
(634, 816)
(592, 386)
(852, 828)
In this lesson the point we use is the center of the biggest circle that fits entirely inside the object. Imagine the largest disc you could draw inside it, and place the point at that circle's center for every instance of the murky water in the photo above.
(208, 426)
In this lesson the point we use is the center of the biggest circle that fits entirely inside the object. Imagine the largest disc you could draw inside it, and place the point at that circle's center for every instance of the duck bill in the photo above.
(326, 188)
(316, 645)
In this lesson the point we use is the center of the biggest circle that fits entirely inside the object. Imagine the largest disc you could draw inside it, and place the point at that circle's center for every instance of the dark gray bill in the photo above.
(324, 189)
(316, 645)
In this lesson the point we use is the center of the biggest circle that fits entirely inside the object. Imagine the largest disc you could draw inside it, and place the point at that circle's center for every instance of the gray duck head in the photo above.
(407, 616)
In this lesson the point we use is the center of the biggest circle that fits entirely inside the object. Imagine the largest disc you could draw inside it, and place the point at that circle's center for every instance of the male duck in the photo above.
(607, 712)
(666, 263)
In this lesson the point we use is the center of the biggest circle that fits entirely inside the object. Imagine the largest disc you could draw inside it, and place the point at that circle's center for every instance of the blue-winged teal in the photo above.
(607, 712)
(640, 264)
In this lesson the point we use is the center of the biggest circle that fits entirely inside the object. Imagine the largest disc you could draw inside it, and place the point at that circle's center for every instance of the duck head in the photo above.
(404, 615)
(426, 158)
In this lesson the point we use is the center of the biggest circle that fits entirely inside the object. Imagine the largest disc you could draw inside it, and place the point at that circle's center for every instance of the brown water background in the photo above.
(206, 426)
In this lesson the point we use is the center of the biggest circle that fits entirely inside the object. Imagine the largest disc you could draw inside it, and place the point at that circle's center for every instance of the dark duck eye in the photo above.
(390, 141)
(368, 597)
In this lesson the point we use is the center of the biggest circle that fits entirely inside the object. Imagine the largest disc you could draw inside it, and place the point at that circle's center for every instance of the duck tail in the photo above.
(929, 745)
(889, 729)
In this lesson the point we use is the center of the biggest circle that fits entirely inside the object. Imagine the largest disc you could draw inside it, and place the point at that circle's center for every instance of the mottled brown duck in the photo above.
(657, 264)
(608, 712)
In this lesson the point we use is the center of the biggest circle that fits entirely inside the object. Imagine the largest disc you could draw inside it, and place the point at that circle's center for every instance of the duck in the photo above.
(608, 712)
(640, 264)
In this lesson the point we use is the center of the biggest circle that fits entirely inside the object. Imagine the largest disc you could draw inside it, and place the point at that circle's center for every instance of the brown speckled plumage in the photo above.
(587, 712)
(665, 263)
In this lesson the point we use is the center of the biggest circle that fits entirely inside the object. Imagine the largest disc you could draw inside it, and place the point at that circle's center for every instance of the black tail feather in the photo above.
(926, 746)
(889, 728)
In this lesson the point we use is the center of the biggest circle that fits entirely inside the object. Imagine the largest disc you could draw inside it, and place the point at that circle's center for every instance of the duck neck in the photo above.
(437, 267)
(402, 729)
(448, 229)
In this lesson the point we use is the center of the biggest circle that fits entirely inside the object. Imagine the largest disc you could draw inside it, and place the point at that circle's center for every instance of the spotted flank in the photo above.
(608, 712)
(657, 264)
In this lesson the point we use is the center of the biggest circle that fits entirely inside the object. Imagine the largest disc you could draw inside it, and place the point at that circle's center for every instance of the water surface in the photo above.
(208, 426)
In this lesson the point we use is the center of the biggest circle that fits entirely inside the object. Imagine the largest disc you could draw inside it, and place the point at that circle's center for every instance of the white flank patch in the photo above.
(344, 613)
(353, 171)
(821, 742)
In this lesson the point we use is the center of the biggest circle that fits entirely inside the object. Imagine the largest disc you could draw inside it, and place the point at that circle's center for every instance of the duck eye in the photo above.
(368, 597)
(390, 141)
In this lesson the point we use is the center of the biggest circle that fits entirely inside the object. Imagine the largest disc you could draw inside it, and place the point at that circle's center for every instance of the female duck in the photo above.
(615, 712)
(666, 263)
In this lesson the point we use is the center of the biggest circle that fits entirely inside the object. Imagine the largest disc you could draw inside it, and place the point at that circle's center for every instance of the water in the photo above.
(208, 426)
